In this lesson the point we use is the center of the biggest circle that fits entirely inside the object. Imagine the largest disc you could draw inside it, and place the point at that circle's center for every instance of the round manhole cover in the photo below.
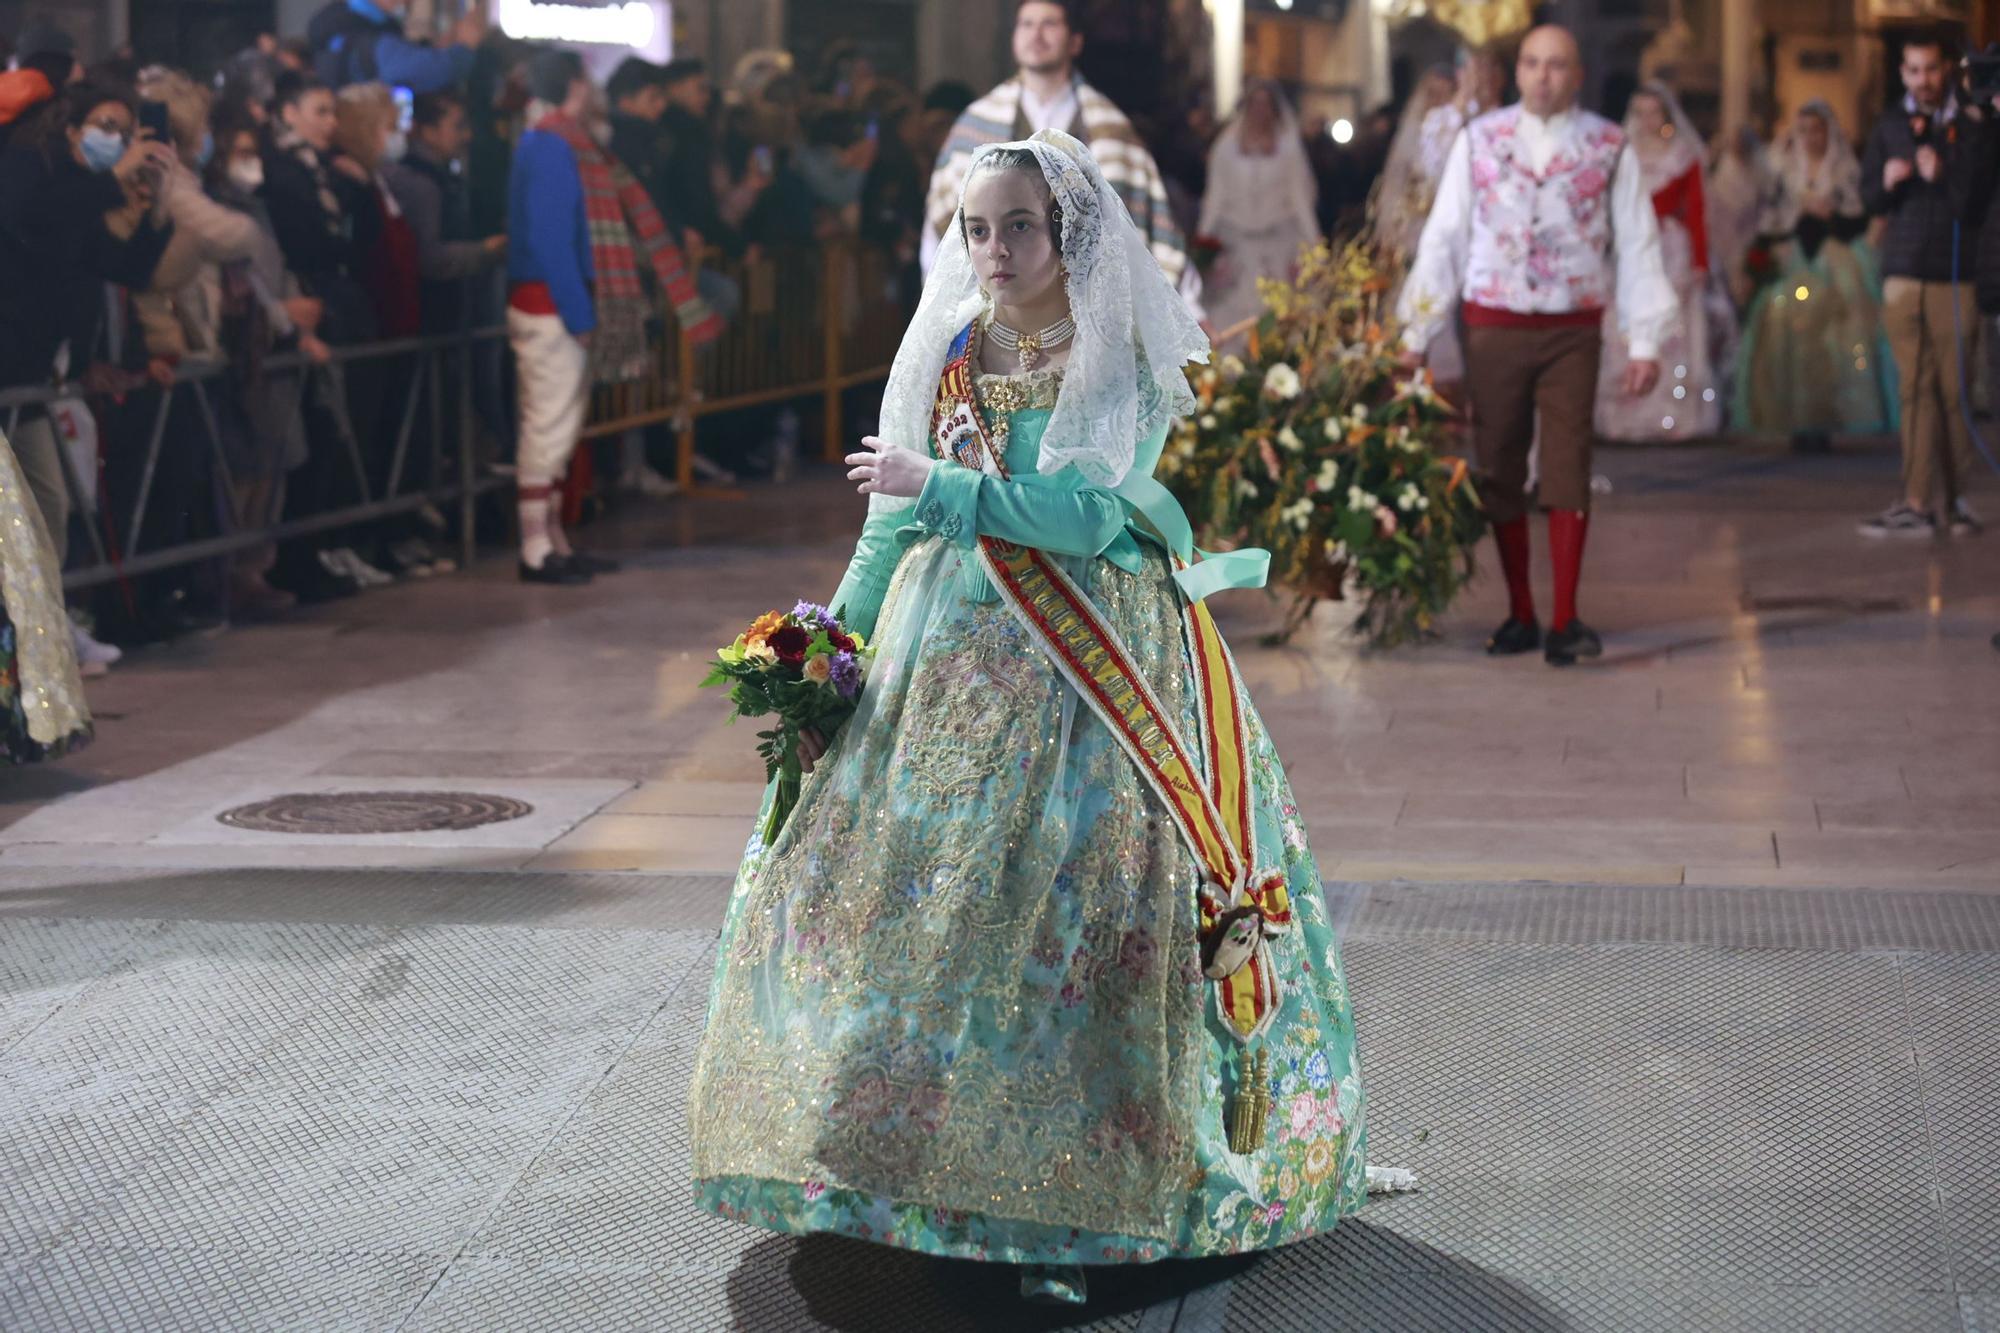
(375, 812)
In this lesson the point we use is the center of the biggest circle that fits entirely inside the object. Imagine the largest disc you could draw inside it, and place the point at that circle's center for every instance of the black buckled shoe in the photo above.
(1514, 636)
(554, 569)
(1574, 640)
(592, 564)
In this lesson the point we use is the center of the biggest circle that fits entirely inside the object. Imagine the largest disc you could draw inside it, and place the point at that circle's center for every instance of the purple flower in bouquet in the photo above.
(846, 677)
(814, 615)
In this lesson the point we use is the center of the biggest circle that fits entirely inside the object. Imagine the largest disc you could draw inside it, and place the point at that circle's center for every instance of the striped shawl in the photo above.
(622, 217)
(1128, 167)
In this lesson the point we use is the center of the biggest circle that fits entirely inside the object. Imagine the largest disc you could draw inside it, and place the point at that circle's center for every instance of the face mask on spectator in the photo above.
(102, 148)
(247, 174)
(396, 145)
(203, 154)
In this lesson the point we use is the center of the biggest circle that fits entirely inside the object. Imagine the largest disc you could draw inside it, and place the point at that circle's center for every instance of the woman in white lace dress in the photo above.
(1262, 204)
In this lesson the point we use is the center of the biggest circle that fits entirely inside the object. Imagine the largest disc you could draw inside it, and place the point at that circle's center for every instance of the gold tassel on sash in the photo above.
(1250, 1113)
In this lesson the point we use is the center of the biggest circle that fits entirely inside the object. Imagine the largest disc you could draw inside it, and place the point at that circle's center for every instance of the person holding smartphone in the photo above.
(76, 211)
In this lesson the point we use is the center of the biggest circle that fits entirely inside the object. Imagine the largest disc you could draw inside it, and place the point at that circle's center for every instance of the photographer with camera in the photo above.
(1927, 171)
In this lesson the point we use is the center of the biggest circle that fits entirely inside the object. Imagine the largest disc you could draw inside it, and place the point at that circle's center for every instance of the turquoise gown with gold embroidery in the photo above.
(958, 1005)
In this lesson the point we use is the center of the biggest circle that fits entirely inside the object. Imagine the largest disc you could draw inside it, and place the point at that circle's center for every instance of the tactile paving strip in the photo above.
(1766, 1111)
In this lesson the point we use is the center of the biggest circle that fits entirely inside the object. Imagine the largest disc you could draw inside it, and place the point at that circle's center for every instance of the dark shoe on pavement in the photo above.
(555, 569)
(593, 564)
(254, 599)
(1900, 520)
(1514, 636)
(1572, 641)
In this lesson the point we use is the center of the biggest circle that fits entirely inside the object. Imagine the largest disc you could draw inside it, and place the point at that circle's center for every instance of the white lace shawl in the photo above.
(1134, 334)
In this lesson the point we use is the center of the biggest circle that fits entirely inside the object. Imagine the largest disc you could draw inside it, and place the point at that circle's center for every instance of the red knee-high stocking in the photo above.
(1568, 530)
(1512, 539)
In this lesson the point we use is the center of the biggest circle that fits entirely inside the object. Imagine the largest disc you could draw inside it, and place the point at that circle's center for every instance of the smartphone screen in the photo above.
(406, 102)
(153, 116)
(761, 156)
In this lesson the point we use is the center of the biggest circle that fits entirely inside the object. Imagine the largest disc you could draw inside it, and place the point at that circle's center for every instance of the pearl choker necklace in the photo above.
(1030, 346)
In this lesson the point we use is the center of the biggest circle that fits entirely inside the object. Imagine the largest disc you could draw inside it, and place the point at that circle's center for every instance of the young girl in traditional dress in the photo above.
(1038, 971)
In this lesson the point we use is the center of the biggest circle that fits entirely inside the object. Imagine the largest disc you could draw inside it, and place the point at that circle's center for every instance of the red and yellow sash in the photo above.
(1209, 792)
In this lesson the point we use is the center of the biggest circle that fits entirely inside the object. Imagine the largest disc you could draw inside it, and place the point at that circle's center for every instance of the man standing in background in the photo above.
(1048, 94)
(1540, 205)
(1927, 171)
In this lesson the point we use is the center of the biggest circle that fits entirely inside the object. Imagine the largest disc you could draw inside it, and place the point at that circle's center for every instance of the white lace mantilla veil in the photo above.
(1124, 379)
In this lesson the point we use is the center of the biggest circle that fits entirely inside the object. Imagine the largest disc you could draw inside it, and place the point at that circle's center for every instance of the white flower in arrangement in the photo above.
(1299, 514)
(1360, 501)
(1226, 403)
(1207, 379)
(1208, 421)
(1405, 441)
(1418, 386)
(1232, 365)
(1407, 500)
(1336, 553)
(1328, 477)
(1245, 489)
(1281, 381)
(1358, 414)
(1289, 438)
(1334, 430)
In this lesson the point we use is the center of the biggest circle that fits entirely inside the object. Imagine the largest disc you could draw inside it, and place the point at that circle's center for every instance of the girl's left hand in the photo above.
(889, 469)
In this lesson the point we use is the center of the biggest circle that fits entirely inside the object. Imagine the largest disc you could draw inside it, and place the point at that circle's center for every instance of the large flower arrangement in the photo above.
(1322, 447)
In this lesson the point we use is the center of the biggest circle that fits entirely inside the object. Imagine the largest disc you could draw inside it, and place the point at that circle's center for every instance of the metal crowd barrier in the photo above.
(812, 323)
(193, 380)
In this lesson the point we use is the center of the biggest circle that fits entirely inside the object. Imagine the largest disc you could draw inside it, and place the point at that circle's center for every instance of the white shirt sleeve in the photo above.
(1647, 306)
(1431, 290)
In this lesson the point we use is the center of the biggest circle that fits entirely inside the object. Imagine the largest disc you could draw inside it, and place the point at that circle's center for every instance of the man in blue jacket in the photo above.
(550, 313)
(362, 41)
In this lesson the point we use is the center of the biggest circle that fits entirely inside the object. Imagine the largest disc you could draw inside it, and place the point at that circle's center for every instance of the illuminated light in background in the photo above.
(1802, 293)
(1680, 372)
(1666, 423)
(1284, 4)
(1680, 391)
(1342, 130)
(1708, 395)
(631, 24)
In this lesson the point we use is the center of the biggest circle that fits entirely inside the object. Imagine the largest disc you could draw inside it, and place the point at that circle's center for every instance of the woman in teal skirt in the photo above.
(1814, 361)
(1038, 971)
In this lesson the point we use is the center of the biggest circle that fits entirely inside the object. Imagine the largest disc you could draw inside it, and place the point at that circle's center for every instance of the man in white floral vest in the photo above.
(1541, 219)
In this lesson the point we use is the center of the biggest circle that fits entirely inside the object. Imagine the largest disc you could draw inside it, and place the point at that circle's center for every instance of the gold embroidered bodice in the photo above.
(1002, 395)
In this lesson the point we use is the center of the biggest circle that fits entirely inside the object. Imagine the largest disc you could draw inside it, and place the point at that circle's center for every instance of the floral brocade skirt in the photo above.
(958, 1004)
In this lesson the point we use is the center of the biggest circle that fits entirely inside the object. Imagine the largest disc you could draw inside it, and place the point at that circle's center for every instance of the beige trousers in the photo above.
(553, 371)
(1937, 442)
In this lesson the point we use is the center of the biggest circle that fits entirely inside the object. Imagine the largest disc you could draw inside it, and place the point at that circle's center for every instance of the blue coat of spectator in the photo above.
(548, 231)
(359, 41)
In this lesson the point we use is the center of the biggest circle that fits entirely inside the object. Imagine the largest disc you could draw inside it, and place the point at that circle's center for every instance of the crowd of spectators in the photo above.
(255, 226)
(251, 226)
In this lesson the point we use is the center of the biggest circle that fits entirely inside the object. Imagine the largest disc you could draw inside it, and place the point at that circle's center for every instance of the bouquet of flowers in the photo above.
(803, 667)
(1320, 446)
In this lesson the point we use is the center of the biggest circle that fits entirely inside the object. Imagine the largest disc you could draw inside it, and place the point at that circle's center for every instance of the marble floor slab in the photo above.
(1781, 701)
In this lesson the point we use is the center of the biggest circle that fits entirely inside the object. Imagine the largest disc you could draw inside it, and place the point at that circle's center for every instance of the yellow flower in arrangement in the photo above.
(763, 627)
(760, 651)
(1319, 1161)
